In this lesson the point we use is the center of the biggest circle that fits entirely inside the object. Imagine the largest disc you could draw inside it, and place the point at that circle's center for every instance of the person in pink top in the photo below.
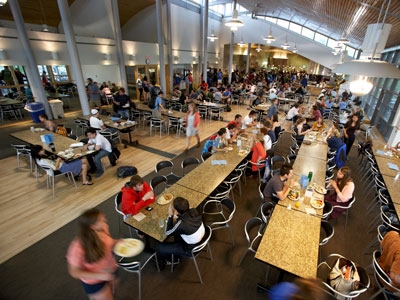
(342, 190)
(90, 258)
(192, 125)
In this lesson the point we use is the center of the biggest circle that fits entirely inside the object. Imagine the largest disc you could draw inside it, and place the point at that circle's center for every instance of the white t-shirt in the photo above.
(247, 121)
(96, 122)
(102, 141)
(267, 142)
(292, 113)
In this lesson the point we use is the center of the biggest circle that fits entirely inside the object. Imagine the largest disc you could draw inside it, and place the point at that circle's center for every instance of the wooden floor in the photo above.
(28, 210)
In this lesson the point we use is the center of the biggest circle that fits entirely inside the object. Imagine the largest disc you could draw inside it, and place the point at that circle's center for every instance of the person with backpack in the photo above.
(156, 105)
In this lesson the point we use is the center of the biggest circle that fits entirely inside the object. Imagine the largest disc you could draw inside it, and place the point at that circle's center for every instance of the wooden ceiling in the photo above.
(333, 17)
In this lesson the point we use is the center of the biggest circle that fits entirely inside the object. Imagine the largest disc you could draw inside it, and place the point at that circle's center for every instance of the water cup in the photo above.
(303, 181)
(32, 129)
(91, 147)
(161, 223)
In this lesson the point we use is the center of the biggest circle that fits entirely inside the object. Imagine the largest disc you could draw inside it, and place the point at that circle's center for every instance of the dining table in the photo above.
(165, 112)
(65, 147)
(148, 222)
(291, 242)
(388, 165)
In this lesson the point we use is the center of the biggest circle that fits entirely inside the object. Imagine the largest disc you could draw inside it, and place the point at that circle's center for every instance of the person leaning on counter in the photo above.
(279, 185)
(136, 194)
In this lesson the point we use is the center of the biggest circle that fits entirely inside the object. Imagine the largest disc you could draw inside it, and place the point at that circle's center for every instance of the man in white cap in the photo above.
(272, 94)
(95, 121)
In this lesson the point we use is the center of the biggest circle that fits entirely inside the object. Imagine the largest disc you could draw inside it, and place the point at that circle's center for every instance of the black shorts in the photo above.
(93, 288)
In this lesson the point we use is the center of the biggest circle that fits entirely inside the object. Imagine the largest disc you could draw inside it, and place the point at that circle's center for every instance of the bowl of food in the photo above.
(294, 195)
(320, 190)
(165, 199)
(317, 203)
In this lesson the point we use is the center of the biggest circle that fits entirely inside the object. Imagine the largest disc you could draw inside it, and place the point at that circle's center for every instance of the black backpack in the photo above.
(126, 171)
(153, 96)
(152, 103)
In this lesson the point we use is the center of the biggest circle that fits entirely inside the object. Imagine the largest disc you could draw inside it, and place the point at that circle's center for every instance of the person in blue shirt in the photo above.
(343, 104)
(273, 110)
(156, 111)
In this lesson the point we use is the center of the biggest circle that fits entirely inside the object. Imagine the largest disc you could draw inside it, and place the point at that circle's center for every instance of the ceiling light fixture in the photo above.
(364, 68)
(269, 38)
(234, 23)
(241, 43)
(45, 28)
(295, 49)
(343, 41)
(285, 45)
(212, 36)
(2, 2)
(258, 49)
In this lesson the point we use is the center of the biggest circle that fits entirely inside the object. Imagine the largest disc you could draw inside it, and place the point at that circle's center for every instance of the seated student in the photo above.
(258, 153)
(95, 121)
(186, 226)
(136, 194)
(226, 96)
(299, 129)
(256, 101)
(78, 167)
(343, 104)
(268, 124)
(237, 122)
(333, 139)
(231, 133)
(218, 94)
(101, 145)
(249, 120)
(293, 113)
(279, 185)
(48, 124)
(318, 125)
(342, 190)
(390, 257)
(220, 143)
(276, 125)
(266, 138)
(315, 112)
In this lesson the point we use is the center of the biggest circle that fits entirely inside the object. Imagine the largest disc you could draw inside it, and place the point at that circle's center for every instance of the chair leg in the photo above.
(140, 283)
(243, 256)
(197, 269)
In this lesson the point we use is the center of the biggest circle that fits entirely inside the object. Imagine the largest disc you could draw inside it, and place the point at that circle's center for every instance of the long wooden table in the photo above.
(194, 186)
(384, 167)
(291, 242)
(166, 112)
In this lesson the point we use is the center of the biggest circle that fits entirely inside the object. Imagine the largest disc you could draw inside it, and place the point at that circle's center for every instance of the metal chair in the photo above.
(384, 283)
(168, 168)
(261, 187)
(276, 162)
(112, 135)
(233, 180)
(117, 203)
(174, 124)
(146, 116)
(253, 229)
(235, 99)
(382, 229)
(51, 174)
(260, 166)
(329, 232)
(205, 155)
(217, 214)
(23, 150)
(291, 158)
(325, 267)
(351, 202)
(82, 125)
(190, 161)
(156, 123)
(158, 184)
(197, 250)
(203, 111)
(137, 263)
(327, 210)
(267, 209)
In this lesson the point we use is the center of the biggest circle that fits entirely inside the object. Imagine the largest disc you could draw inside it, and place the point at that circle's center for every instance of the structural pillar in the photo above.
(230, 57)
(205, 40)
(170, 62)
(248, 58)
(160, 38)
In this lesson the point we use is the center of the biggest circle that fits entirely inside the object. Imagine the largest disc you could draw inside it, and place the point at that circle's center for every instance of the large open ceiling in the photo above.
(333, 17)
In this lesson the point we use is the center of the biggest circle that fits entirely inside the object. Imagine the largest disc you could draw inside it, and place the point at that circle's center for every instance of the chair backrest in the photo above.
(204, 241)
(158, 184)
(266, 211)
(381, 277)
(188, 162)
(327, 210)
(253, 230)
(329, 232)
(205, 155)
(117, 203)
(340, 157)
(165, 164)
(261, 187)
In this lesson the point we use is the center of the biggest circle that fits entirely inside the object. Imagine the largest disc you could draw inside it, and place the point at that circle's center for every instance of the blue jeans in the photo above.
(124, 113)
(97, 159)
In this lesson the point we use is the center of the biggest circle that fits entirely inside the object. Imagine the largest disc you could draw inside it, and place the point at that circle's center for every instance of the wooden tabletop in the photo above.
(8, 101)
(262, 107)
(206, 177)
(291, 242)
(150, 225)
(316, 150)
(167, 113)
(384, 167)
(305, 164)
(61, 143)
(109, 123)
(393, 187)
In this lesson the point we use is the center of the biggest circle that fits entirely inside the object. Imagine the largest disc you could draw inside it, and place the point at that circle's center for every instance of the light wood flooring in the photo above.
(28, 210)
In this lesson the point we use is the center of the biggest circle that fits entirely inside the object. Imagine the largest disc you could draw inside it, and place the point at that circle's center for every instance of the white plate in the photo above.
(128, 247)
(320, 190)
(317, 203)
(39, 129)
(293, 198)
(162, 201)
(230, 148)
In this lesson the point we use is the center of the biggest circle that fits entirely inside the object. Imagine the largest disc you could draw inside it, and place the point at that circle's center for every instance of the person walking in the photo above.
(192, 124)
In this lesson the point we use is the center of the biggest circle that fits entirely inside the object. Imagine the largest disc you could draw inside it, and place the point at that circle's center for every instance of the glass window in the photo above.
(307, 33)
(295, 27)
(320, 38)
(60, 73)
(283, 23)
(351, 51)
(331, 43)
(270, 19)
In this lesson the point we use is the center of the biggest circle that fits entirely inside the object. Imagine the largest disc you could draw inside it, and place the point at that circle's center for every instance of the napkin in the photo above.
(310, 211)
(380, 152)
(139, 216)
(393, 166)
(76, 145)
(218, 162)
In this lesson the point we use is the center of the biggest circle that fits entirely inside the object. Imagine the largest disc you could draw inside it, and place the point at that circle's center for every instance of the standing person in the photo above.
(192, 124)
(146, 89)
(140, 87)
(94, 93)
(44, 78)
(342, 190)
(48, 124)
(101, 145)
(135, 195)
(123, 102)
(90, 258)
(273, 109)
(156, 111)
(349, 131)
(186, 226)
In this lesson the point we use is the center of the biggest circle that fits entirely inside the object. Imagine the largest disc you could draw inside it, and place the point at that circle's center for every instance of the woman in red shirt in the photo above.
(258, 154)
(136, 195)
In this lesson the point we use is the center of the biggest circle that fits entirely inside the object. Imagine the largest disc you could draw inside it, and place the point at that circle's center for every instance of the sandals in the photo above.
(87, 183)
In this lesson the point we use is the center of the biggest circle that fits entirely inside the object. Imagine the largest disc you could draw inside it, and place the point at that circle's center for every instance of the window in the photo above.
(295, 27)
(283, 23)
(307, 33)
(60, 73)
(320, 38)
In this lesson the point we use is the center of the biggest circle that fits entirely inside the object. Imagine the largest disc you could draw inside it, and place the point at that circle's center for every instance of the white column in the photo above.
(73, 53)
(160, 38)
(205, 33)
(170, 62)
(31, 69)
(118, 43)
(230, 57)
(248, 57)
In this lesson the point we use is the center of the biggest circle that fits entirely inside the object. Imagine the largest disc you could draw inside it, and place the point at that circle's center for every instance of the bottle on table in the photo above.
(310, 174)
(239, 142)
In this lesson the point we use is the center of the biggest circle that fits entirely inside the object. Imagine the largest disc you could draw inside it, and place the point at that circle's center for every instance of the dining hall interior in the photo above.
(119, 41)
